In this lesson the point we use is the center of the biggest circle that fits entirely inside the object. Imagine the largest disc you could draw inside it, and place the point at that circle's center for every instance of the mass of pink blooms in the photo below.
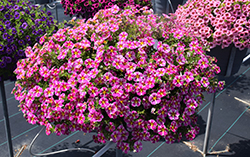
(218, 22)
(130, 75)
(88, 8)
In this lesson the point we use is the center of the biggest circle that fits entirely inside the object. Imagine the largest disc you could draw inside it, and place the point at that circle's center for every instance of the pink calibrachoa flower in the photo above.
(178, 81)
(162, 130)
(37, 91)
(116, 136)
(154, 99)
(135, 102)
(137, 146)
(125, 89)
(204, 81)
(152, 124)
(170, 139)
(173, 114)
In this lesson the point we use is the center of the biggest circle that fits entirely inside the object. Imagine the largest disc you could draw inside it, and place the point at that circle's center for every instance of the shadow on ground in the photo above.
(110, 153)
(241, 149)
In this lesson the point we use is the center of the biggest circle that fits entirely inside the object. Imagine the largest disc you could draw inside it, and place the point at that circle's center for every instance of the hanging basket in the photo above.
(42, 1)
(229, 59)
(161, 6)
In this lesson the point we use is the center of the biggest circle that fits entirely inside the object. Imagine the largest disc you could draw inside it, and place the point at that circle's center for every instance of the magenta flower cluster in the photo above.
(129, 74)
(218, 22)
(88, 8)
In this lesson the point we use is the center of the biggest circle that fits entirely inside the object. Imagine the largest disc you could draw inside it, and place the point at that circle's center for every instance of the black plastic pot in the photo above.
(161, 6)
(42, 1)
(228, 61)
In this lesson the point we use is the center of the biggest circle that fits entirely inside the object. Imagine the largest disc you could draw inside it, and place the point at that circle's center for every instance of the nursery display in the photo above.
(21, 25)
(223, 23)
(109, 75)
(88, 8)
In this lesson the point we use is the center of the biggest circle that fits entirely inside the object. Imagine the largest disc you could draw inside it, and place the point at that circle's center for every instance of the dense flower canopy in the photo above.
(21, 25)
(129, 74)
(218, 22)
(88, 8)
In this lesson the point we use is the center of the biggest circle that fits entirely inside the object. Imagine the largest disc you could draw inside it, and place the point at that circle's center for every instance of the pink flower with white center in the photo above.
(110, 127)
(130, 67)
(83, 78)
(178, 81)
(32, 119)
(181, 59)
(128, 87)
(63, 54)
(48, 92)
(98, 117)
(104, 102)
(161, 62)
(220, 85)
(152, 124)
(60, 129)
(204, 81)
(37, 91)
(78, 63)
(150, 82)
(161, 93)
(68, 45)
(154, 99)
(140, 90)
(160, 72)
(81, 107)
(137, 146)
(161, 119)
(44, 72)
(93, 91)
(150, 41)
(191, 103)
(173, 114)
(130, 55)
(203, 62)
(130, 45)
(188, 76)
(58, 104)
(189, 111)
(145, 136)
(117, 64)
(135, 102)
(190, 135)
(107, 76)
(80, 118)
(178, 34)
(129, 76)
(89, 63)
(125, 147)
(123, 36)
(173, 126)
(111, 108)
(170, 139)
(76, 53)
(121, 45)
(93, 73)
(116, 136)
(162, 130)
(116, 91)
(145, 102)
(163, 111)
(155, 139)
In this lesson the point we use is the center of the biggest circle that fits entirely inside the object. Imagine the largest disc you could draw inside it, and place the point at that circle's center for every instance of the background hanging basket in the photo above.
(160, 6)
(223, 59)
